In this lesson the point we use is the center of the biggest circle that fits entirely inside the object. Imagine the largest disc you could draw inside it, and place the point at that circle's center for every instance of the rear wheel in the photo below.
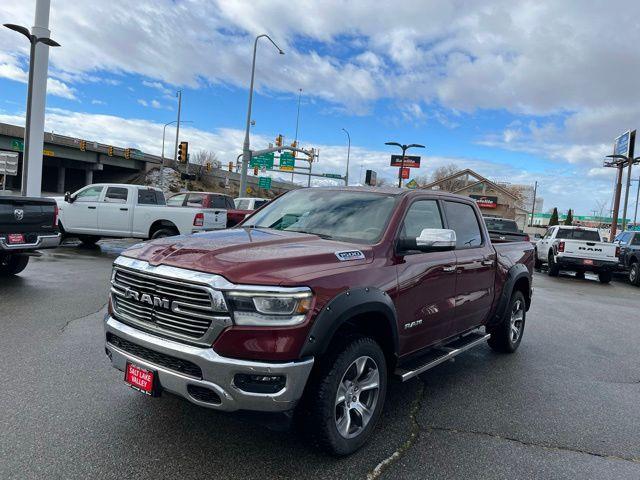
(634, 274)
(580, 275)
(164, 232)
(345, 398)
(88, 240)
(554, 268)
(507, 335)
(604, 277)
(13, 265)
(537, 263)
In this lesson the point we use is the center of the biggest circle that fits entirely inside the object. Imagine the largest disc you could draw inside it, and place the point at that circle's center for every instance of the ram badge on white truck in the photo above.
(577, 249)
(123, 211)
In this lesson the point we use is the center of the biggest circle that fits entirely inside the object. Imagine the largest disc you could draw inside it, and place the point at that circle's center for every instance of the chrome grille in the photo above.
(175, 308)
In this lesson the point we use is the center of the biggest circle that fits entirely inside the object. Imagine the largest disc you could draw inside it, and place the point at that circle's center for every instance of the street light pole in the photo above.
(295, 139)
(42, 10)
(404, 150)
(175, 152)
(246, 151)
(164, 131)
(635, 214)
(346, 177)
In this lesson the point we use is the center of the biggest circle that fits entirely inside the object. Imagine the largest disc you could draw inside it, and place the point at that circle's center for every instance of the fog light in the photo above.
(260, 383)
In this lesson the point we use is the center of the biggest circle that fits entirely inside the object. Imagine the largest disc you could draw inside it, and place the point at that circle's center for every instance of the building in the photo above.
(494, 200)
(542, 220)
(71, 163)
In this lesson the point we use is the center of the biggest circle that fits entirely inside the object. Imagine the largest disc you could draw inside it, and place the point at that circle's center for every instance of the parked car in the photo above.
(214, 200)
(314, 302)
(250, 203)
(121, 210)
(27, 224)
(504, 230)
(577, 249)
(629, 243)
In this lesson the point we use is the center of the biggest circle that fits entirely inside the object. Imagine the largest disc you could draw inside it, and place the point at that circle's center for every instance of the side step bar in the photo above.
(441, 354)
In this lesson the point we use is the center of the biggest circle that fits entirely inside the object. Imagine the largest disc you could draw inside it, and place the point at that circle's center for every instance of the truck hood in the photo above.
(252, 256)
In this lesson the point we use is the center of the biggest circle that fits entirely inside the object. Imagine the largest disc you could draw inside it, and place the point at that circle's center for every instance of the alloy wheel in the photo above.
(357, 397)
(517, 320)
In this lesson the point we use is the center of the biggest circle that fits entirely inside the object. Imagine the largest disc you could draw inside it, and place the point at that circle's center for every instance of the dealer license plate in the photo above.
(587, 261)
(15, 238)
(140, 378)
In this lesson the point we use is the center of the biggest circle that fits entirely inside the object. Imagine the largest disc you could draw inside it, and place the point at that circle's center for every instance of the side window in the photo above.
(116, 195)
(462, 219)
(421, 214)
(176, 200)
(229, 204)
(636, 239)
(147, 197)
(90, 194)
(242, 204)
(218, 201)
(259, 203)
(195, 200)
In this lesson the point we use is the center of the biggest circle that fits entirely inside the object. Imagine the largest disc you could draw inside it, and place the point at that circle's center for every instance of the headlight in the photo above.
(269, 308)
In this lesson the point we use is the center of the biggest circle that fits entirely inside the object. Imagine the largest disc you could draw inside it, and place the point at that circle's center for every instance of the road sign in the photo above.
(264, 182)
(410, 161)
(265, 160)
(8, 163)
(405, 173)
(332, 175)
(412, 183)
(17, 145)
(287, 162)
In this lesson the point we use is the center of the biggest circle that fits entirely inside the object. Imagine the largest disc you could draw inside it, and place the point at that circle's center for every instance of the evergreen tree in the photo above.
(554, 217)
(569, 219)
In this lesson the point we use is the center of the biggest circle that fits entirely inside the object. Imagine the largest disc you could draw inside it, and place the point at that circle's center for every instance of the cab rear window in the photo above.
(577, 234)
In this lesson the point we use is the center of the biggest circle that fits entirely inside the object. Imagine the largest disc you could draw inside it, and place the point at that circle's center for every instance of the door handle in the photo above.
(124, 209)
(91, 208)
(487, 263)
(449, 268)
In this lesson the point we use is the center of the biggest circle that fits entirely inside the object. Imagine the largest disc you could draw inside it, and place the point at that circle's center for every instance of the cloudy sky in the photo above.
(518, 90)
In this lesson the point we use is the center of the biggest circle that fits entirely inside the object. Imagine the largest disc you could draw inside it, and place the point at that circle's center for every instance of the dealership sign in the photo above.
(410, 161)
(485, 201)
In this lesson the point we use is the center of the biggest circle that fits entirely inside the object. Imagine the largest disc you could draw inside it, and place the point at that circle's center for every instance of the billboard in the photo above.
(622, 145)
(485, 201)
(410, 161)
(404, 173)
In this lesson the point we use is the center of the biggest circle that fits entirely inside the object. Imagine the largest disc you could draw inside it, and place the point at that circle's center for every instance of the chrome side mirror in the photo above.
(436, 239)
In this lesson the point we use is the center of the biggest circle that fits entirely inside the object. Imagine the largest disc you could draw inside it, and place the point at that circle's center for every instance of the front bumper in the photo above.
(217, 372)
(578, 263)
(42, 241)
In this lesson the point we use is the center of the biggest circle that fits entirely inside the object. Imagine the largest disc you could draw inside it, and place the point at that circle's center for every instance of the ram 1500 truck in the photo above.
(577, 249)
(135, 211)
(313, 302)
(27, 224)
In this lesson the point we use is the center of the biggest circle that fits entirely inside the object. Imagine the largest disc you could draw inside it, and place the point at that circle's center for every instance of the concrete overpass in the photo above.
(70, 163)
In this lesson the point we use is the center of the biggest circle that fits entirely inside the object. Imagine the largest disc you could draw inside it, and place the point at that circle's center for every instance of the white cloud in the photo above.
(95, 101)
(143, 102)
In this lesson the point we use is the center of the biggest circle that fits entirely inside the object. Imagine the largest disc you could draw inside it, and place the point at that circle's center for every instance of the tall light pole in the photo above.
(175, 152)
(246, 151)
(295, 138)
(42, 22)
(404, 150)
(629, 161)
(164, 131)
(635, 213)
(346, 177)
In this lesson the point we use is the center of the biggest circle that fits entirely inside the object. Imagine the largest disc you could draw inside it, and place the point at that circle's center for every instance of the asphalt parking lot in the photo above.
(566, 405)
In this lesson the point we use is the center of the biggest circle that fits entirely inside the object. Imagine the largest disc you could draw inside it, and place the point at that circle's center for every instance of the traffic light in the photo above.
(208, 166)
(83, 145)
(279, 140)
(231, 166)
(110, 151)
(312, 154)
(183, 152)
(127, 153)
(255, 170)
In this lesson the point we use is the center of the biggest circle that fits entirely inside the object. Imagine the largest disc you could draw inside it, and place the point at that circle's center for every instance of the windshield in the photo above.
(359, 217)
(575, 234)
(500, 225)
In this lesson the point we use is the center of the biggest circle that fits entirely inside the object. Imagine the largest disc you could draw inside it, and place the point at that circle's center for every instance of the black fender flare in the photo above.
(514, 274)
(340, 309)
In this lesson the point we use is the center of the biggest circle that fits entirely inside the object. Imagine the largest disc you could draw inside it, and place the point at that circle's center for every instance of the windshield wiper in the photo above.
(324, 236)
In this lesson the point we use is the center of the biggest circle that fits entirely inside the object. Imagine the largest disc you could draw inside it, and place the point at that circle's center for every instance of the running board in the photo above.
(440, 354)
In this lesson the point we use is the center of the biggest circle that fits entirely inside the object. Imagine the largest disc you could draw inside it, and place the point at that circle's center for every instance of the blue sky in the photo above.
(516, 90)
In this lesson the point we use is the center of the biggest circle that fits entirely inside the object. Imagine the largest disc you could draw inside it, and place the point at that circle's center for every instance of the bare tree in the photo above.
(201, 158)
(445, 171)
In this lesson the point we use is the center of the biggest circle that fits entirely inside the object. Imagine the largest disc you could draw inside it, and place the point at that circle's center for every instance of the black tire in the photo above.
(164, 232)
(580, 275)
(554, 268)
(605, 277)
(319, 413)
(537, 263)
(14, 265)
(634, 274)
(89, 240)
(503, 336)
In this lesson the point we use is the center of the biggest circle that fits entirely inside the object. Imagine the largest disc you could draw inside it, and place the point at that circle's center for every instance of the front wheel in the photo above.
(537, 263)
(345, 398)
(634, 274)
(13, 265)
(604, 277)
(554, 268)
(507, 335)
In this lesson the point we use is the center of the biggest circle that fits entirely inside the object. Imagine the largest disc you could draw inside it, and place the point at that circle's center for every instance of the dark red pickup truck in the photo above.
(313, 302)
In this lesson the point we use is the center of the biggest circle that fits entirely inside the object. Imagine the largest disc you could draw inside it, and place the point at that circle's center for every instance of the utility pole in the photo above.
(635, 214)
(533, 208)
(175, 151)
(346, 177)
(295, 139)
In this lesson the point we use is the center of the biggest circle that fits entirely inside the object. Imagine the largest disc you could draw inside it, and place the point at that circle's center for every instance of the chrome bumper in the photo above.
(43, 241)
(217, 372)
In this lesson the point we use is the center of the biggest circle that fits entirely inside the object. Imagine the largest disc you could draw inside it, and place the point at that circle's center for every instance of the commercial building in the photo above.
(70, 163)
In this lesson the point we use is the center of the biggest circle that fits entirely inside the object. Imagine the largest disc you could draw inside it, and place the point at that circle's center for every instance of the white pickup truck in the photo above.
(577, 249)
(123, 211)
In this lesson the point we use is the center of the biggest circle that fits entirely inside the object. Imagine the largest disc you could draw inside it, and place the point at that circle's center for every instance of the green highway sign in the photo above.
(332, 175)
(17, 145)
(264, 182)
(260, 161)
(287, 161)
